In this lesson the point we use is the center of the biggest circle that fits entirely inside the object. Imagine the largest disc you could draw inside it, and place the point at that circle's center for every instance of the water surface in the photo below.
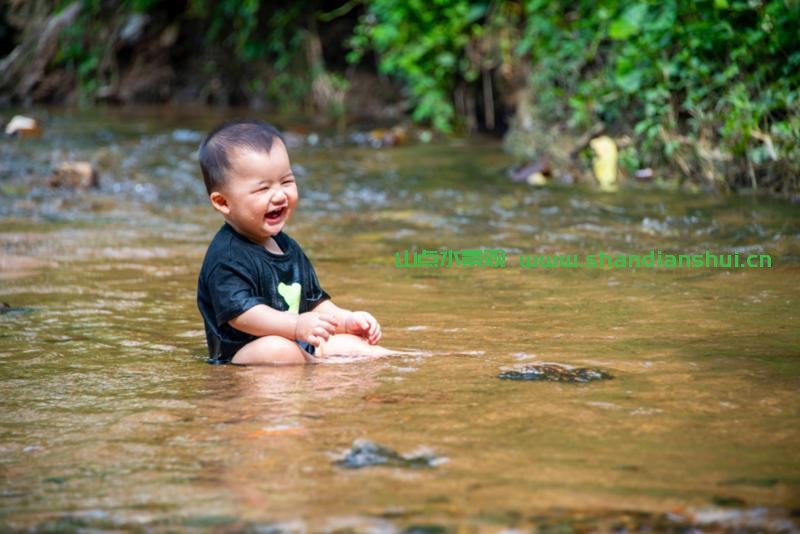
(112, 419)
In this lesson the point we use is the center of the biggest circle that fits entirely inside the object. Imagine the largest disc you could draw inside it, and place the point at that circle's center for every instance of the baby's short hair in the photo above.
(215, 151)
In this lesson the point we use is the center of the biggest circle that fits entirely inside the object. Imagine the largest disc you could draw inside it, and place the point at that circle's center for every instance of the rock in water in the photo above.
(22, 126)
(75, 174)
(535, 173)
(366, 453)
(551, 372)
(8, 309)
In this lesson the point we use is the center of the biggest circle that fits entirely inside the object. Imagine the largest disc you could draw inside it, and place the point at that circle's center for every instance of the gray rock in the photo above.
(367, 453)
(552, 372)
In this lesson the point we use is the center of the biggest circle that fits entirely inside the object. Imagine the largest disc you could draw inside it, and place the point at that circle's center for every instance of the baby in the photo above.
(258, 293)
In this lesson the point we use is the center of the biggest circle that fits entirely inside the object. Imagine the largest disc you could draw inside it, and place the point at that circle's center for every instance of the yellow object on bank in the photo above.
(604, 164)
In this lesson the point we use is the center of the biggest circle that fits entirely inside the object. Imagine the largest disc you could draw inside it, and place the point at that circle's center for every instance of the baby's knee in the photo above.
(349, 345)
(271, 350)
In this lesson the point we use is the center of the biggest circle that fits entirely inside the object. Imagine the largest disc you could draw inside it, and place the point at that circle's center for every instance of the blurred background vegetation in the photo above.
(709, 89)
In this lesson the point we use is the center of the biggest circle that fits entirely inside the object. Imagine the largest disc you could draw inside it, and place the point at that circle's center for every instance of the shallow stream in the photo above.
(112, 419)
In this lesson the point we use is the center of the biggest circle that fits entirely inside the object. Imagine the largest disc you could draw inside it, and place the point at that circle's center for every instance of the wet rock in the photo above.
(553, 372)
(381, 137)
(394, 136)
(8, 309)
(293, 140)
(74, 174)
(22, 126)
(366, 453)
(535, 173)
(183, 135)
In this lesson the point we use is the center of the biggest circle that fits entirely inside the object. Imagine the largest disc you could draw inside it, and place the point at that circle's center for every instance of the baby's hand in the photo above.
(315, 327)
(363, 324)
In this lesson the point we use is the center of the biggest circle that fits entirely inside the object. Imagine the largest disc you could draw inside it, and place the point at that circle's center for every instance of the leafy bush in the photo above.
(258, 44)
(708, 85)
(422, 43)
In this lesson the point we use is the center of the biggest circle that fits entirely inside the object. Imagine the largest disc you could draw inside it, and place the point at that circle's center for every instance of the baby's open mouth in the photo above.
(275, 215)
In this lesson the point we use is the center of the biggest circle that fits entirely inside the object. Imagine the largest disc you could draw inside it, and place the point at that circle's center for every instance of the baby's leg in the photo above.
(272, 350)
(350, 345)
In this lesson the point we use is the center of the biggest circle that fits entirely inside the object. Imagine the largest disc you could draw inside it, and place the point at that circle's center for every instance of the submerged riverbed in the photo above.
(112, 419)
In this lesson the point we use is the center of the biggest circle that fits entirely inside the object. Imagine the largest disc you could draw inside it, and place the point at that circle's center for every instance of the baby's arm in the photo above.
(261, 320)
(359, 323)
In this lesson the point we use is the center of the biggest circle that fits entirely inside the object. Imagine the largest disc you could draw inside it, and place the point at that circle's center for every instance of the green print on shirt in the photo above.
(290, 294)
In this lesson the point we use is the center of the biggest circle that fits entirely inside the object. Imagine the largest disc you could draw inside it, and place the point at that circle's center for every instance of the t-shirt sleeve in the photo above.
(234, 291)
(314, 294)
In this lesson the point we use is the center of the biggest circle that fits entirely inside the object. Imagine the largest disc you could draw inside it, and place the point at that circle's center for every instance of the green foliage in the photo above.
(141, 6)
(84, 44)
(697, 80)
(707, 81)
(256, 45)
(77, 52)
(249, 35)
(422, 43)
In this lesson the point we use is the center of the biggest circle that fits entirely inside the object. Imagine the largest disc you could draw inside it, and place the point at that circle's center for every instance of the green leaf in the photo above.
(629, 22)
(446, 60)
(630, 81)
(476, 12)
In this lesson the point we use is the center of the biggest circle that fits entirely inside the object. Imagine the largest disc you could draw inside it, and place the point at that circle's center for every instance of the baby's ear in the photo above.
(219, 202)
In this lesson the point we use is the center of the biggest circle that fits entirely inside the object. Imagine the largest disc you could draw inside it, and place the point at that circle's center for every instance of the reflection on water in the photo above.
(112, 419)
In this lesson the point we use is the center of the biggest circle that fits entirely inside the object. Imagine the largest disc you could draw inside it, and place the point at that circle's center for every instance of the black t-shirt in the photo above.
(238, 274)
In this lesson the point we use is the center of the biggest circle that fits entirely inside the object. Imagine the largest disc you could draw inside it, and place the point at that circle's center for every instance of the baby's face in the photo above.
(260, 192)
